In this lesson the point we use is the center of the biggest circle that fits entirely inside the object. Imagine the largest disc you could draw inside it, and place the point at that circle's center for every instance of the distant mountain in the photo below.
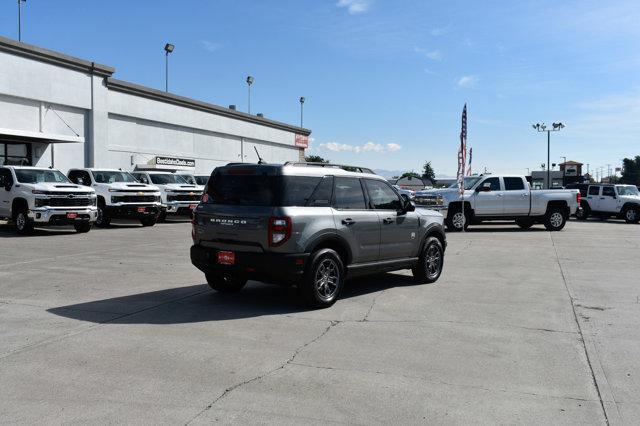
(388, 173)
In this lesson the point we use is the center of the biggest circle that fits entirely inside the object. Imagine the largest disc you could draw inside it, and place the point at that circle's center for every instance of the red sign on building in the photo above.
(302, 141)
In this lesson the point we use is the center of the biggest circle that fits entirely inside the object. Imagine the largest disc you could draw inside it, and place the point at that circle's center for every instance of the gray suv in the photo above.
(310, 225)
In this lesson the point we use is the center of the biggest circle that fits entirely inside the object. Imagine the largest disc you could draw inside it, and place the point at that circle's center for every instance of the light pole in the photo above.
(543, 128)
(302, 99)
(249, 83)
(20, 19)
(168, 48)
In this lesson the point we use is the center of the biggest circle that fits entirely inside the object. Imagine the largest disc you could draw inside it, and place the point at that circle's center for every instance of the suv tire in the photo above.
(225, 282)
(524, 222)
(584, 212)
(148, 221)
(102, 220)
(632, 215)
(431, 260)
(455, 218)
(82, 227)
(323, 279)
(24, 225)
(555, 219)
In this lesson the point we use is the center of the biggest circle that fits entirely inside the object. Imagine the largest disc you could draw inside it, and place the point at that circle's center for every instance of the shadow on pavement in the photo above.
(9, 231)
(198, 303)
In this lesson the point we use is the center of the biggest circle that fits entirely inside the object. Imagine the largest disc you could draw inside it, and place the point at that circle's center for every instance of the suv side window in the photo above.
(608, 191)
(382, 196)
(594, 190)
(5, 177)
(322, 195)
(348, 194)
(513, 184)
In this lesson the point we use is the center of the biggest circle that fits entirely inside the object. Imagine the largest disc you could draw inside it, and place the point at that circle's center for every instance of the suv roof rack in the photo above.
(335, 166)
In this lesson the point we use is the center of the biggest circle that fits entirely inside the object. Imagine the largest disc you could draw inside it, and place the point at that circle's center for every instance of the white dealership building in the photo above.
(61, 111)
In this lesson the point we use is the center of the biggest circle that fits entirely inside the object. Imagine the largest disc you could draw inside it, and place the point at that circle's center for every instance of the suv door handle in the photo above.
(348, 221)
(498, 195)
(388, 220)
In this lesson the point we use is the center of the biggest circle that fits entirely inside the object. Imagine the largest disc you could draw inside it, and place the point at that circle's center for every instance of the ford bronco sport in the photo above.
(310, 225)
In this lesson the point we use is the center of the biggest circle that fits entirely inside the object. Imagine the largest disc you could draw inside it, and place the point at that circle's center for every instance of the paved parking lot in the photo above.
(523, 327)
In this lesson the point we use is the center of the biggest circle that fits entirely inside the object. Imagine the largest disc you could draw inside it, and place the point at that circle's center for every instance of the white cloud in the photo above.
(210, 46)
(434, 55)
(467, 81)
(357, 149)
(355, 7)
(437, 32)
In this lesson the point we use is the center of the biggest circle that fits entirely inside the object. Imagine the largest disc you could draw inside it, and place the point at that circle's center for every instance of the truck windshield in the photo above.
(261, 190)
(111, 177)
(164, 179)
(468, 182)
(40, 176)
(627, 190)
(190, 179)
(202, 180)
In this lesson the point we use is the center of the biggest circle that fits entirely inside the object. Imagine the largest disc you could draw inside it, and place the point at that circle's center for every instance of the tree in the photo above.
(631, 171)
(428, 172)
(315, 159)
(410, 174)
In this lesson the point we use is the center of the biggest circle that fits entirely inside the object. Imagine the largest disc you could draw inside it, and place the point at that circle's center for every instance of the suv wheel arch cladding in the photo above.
(432, 231)
(333, 242)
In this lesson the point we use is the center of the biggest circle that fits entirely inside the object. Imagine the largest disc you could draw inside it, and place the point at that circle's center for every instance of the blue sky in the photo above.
(385, 80)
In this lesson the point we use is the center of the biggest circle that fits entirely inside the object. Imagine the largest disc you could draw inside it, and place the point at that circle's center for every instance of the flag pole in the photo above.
(462, 160)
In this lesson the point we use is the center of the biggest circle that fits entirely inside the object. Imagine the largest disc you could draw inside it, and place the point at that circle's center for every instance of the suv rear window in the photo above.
(261, 190)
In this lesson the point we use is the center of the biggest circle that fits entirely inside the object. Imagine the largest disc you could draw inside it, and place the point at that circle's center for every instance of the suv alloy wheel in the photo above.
(430, 264)
(323, 279)
(632, 215)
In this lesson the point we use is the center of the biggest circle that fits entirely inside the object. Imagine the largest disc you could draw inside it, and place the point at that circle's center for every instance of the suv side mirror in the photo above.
(7, 185)
(407, 205)
(484, 188)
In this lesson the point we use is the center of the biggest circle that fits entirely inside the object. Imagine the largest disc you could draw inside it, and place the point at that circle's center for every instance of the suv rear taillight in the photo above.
(279, 230)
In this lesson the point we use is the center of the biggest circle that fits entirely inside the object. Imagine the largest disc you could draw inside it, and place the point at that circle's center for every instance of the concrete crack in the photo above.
(373, 302)
(582, 340)
(265, 374)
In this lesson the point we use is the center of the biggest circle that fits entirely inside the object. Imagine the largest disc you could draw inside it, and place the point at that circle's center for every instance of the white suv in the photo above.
(120, 195)
(33, 196)
(178, 196)
(604, 200)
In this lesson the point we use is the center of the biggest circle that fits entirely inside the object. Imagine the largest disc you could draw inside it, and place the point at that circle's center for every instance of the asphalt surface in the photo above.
(116, 326)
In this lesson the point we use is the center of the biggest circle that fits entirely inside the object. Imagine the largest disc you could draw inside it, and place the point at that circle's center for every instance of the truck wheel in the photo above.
(102, 220)
(225, 282)
(555, 219)
(632, 215)
(148, 221)
(162, 217)
(524, 222)
(430, 263)
(82, 227)
(323, 279)
(456, 218)
(584, 212)
(24, 225)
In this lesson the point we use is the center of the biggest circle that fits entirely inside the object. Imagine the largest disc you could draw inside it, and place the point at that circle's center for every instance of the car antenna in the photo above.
(260, 160)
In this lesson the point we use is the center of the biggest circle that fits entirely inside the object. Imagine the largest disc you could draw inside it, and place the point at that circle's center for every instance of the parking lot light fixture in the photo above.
(168, 48)
(302, 99)
(249, 83)
(543, 128)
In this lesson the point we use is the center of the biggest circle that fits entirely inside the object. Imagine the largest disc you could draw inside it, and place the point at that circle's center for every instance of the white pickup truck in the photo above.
(120, 195)
(501, 197)
(178, 196)
(33, 196)
(605, 200)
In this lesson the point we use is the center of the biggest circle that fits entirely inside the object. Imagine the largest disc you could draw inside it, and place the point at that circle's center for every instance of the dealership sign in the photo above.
(171, 161)
(571, 171)
(302, 141)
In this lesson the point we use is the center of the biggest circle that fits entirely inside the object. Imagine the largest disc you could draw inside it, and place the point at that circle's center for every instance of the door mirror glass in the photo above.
(408, 205)
(486, 187)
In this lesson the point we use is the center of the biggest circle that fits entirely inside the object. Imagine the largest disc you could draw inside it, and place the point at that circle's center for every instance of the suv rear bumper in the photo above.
(267, 267)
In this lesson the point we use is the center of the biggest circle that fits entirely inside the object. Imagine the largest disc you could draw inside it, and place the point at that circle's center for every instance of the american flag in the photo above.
(470, 157)
(462, 151)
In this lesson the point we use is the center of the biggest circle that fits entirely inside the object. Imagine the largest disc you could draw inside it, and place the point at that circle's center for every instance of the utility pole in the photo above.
(302, 99)
(20, 19)
(249, 83)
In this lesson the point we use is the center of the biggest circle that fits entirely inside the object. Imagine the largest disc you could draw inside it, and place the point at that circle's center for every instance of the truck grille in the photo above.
(63, 202)
(429, 200)
(133, 199)
(184, 197)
